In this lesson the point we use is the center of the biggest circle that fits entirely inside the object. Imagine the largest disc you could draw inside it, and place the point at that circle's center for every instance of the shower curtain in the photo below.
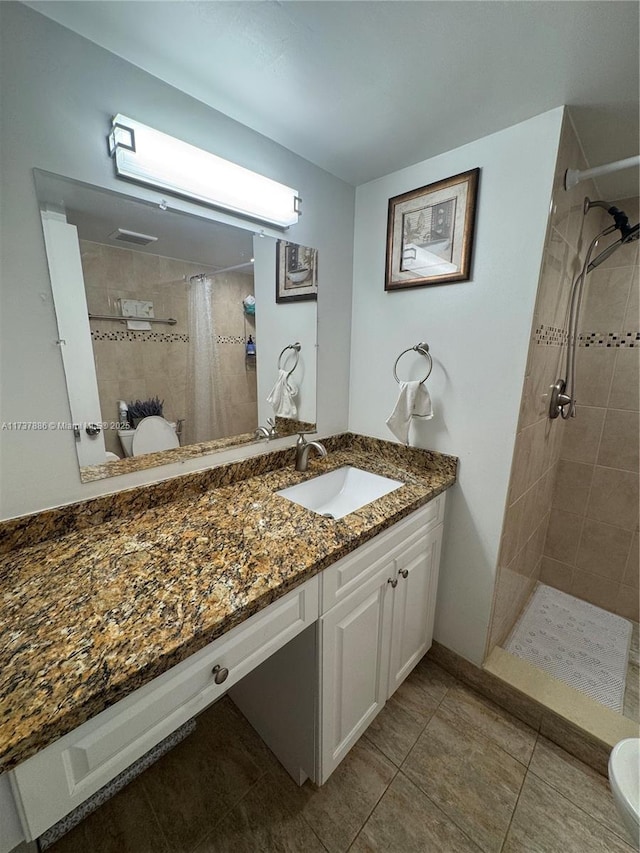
(206, 416)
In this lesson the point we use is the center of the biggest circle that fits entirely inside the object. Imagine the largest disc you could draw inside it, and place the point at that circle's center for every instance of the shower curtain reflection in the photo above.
(207, 416)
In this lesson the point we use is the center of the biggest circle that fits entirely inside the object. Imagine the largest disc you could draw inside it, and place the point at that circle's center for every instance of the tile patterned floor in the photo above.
(441, 770)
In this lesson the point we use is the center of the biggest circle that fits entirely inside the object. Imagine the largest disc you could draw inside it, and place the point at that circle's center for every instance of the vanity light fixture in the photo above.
(147, 156)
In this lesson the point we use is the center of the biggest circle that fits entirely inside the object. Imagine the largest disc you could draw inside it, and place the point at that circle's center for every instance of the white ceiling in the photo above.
(365, 88)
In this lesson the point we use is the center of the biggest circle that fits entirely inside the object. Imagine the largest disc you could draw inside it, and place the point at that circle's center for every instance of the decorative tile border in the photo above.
(609, 339)
(554, 336)
(158, 337)
(550, 335)
(232, 339)
(127, 335)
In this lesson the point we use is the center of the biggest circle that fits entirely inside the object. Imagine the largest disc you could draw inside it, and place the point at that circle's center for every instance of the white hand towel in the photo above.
(413, 399)
(282, 397)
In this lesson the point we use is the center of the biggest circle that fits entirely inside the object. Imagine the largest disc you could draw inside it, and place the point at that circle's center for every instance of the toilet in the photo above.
(151, 435)
(624, 777)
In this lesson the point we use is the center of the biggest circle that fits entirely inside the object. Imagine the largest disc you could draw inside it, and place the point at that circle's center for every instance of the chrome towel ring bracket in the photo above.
(296, 348)
(423, 349)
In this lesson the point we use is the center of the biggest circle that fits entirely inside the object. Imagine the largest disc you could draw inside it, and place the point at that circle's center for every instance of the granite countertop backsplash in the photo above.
(99, 597)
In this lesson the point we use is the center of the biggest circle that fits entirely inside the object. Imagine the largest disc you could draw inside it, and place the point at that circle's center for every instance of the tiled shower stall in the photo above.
(571, 519)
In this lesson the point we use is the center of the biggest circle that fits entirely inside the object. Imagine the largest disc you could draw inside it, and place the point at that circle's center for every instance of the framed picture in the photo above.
(430, 233)
(296, 272)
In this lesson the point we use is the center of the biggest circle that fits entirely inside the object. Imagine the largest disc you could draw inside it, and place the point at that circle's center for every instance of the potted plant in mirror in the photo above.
(143, 409)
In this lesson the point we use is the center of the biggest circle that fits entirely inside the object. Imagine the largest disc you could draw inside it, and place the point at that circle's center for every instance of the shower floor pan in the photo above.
(575, 642)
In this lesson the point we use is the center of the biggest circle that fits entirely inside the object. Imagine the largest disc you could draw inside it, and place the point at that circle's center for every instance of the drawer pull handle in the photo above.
(219, 673)
(404, 573)
(393, 582)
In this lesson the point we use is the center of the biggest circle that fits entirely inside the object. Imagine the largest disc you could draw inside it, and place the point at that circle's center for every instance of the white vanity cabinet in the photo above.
(377, 622)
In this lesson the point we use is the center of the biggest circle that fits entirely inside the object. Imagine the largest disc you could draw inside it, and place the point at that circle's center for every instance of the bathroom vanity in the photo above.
(141, 625)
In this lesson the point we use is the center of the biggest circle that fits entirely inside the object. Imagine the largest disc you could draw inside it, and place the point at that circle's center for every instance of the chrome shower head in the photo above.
(628, 233)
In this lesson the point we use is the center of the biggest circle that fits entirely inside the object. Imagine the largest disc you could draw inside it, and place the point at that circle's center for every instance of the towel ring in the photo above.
(423, 349)
(296, 347)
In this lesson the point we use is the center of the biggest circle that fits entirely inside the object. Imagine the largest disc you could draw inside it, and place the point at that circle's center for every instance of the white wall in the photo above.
(280, 324)
(59, 93)
(478, 332)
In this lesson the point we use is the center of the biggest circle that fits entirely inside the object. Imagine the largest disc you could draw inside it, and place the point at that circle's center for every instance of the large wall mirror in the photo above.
(170, 332)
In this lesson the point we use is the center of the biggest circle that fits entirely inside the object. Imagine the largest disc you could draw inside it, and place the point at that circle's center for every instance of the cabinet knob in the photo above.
(404, 573)
(393, 582)
(219, 673)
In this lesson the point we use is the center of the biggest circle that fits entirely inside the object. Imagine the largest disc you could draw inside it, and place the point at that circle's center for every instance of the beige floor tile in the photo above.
(507, 732)
(470, 778)
(546, 822)
(337, 810)
(264, 821)
(192, 787)
(425, 687)
(406, 821)
(577, 782)
(124, 824)
(397, 727)
(395, 730)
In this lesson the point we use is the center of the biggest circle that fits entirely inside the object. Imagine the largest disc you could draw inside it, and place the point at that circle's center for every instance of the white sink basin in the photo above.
(340, 492)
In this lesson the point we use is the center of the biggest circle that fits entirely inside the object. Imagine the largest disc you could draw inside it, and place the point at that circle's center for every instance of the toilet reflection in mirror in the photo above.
(169, 311)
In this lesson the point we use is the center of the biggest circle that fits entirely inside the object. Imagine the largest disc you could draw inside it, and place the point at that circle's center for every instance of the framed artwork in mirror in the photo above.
(430, 233)
(296, 272)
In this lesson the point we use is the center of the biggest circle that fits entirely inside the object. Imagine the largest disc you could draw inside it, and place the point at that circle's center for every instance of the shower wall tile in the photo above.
(605, 300)
(572, 486)
(604, 549)
(625, 387)
(595, 589)
(582, 436)
(556, 574)
(632, 569)
(620, 440)
(594, 372)
(614, 497)
(563, 536)
(627, 603)
(632, 313)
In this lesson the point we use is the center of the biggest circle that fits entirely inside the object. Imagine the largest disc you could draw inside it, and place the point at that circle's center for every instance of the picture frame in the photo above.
(296, 272)
(430, 233)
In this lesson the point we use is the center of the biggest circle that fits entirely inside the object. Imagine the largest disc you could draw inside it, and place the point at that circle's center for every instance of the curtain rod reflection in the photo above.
(199, 276)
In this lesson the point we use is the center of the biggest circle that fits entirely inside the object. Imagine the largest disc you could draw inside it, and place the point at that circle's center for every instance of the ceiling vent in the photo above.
(124, 236)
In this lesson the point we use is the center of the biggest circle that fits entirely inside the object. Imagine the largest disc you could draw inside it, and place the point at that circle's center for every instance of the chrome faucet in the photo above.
(302, 451)
(267, 432)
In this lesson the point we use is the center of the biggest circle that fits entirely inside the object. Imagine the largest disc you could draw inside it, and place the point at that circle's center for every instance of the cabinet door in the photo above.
(414, 601)
(355, 660)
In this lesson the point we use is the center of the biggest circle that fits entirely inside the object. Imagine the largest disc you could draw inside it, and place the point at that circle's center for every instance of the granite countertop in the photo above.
(96, 609)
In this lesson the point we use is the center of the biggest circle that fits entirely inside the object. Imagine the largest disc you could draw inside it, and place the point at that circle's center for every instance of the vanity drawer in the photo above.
(342, 578)
(56, 780)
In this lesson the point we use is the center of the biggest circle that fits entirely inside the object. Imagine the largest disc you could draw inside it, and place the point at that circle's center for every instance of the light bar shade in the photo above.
(147, 156)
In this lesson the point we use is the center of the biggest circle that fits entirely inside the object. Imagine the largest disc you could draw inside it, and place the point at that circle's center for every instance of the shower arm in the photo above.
(563, 389)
